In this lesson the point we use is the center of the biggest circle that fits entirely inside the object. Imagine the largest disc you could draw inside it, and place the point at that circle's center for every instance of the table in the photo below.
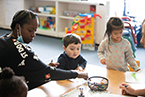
(58, 88)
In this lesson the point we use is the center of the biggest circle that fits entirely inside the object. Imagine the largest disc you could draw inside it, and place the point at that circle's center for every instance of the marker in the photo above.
(51, 61)
(125, 86)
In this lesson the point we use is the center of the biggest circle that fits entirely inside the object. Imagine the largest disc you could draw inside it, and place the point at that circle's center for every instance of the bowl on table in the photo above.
(97, 83)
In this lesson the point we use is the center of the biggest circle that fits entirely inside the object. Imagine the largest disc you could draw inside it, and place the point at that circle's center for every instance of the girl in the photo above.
(12, 85)
(115, 51)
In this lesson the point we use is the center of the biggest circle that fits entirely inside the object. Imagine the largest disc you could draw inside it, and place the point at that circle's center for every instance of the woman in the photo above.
(14, 53)
(126, 89)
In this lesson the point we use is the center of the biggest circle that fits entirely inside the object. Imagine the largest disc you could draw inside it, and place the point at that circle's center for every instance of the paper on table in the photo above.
(37, 92)
(137, 86)
(135, 76)
(78, 80)
(112, 95)
(86, 92)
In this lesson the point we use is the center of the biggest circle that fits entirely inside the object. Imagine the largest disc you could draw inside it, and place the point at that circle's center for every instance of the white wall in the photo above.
(135, 8)
(116, 7)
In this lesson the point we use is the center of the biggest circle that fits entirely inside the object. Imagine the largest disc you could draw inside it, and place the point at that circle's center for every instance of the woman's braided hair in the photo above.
(22, 17)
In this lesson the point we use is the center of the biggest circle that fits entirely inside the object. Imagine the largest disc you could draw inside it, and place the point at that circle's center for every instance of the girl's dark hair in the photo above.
(114, 23)
(22, 17)
(11, 85)
(71, 38)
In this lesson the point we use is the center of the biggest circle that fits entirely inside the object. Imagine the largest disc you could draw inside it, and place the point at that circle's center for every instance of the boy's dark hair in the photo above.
(71, 38)
(11, 85)
(21, 17)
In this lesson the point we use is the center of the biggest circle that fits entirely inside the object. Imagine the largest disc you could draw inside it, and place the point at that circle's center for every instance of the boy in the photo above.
(71, 59)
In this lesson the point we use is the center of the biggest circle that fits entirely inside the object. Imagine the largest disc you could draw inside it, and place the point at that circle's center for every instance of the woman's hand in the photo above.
(126, 89)
(53, 64)
(83, 75)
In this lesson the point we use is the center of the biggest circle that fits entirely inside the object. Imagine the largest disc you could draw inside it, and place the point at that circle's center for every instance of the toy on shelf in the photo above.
(71, 13)
(83, 25)
(43, 9)
(46, 23)
(47, 9)
(50, 9)
(92, 9)
(42, 23)
(49, 20)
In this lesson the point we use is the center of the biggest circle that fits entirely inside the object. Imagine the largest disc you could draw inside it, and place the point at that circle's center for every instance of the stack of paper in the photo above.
(135, 76)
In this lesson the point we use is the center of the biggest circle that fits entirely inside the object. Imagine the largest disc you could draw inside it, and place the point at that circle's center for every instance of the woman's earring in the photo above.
(17, 32)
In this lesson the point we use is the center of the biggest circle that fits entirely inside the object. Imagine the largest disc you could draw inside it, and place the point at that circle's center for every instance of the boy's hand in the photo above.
(80, 68)
(53, 64)
(103, 61)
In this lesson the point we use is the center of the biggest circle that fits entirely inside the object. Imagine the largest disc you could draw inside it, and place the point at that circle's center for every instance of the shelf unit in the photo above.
(62, 21)
(39, 3)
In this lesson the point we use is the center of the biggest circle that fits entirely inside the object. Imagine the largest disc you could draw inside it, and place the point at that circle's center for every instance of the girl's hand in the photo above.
(137, 70)
(103, 61)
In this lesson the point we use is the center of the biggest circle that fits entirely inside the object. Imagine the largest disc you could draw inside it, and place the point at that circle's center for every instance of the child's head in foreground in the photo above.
(114, 29)
(72, 45)
(12, 85)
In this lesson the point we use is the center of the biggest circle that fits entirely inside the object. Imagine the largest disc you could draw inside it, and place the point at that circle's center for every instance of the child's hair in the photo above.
(114, 23)
(22, 17)
(11, 85)
(71, 38)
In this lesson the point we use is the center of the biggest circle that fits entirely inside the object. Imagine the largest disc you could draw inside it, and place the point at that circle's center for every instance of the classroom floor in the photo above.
(49, 48)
